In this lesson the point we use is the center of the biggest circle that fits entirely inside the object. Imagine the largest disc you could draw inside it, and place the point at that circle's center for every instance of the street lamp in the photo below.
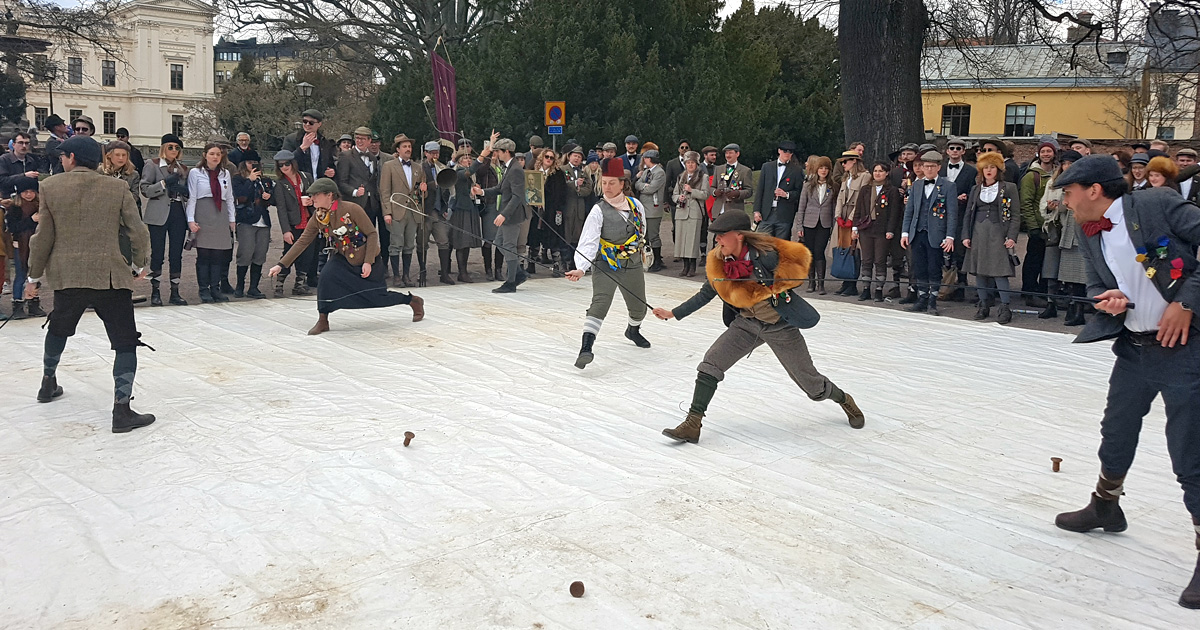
(305, 89)
(50, 73)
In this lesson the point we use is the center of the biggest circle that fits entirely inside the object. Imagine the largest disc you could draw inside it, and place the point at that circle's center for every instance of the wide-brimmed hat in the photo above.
(849, 155)
(322, 185)
(732, 221)
(401, 139)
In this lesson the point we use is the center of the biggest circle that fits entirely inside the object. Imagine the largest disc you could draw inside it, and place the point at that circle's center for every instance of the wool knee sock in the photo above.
(124, 369)
(837, 395)
(1110, 489)
(706, 387)
(53, 353)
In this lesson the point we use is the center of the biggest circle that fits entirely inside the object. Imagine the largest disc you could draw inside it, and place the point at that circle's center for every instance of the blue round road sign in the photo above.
(556, 113)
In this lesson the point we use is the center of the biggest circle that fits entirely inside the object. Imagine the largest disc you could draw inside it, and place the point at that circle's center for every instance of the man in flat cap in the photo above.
(778, 193)
(631, 159)
(1189, 174)
(313, 151)
(513, 214)
(357, 177)
(1082, 146)
(734, 184)
(76, 252)
(437, 216)
(650, 186)
(755, 275)
(930, 223)
(1140, 249)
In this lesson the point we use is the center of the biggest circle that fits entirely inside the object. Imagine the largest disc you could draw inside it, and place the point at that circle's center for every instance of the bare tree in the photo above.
(91, 25)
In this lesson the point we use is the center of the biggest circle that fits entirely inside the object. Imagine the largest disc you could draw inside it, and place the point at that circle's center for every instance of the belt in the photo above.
(1142, 338)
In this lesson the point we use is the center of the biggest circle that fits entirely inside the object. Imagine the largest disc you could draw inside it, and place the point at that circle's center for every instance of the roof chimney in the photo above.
(1080, 31)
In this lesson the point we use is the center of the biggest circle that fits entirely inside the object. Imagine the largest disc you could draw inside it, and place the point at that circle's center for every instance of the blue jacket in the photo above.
(939, 224)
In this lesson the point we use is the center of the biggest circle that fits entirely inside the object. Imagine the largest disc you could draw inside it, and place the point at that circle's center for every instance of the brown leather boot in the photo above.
(853, 413)
(1191, 595)
(321, 326)
(418, 307)
(1100, 513)
(688, 430)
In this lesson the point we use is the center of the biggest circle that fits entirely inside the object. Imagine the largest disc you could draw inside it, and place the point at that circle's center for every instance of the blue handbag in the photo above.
(845, 263)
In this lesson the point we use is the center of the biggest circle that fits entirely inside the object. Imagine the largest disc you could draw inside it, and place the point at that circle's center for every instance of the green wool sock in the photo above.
(706, 387)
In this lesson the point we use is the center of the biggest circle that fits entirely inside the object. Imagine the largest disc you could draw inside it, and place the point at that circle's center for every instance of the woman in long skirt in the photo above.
(467, 203)
(990, 226)
(1064, 267)
(354, 276)
(691, 190)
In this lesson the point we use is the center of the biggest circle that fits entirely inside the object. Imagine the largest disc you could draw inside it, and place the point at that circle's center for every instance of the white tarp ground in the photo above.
(274, 490)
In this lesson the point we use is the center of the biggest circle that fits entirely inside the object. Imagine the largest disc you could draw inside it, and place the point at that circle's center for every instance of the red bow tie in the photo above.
(1092, 228)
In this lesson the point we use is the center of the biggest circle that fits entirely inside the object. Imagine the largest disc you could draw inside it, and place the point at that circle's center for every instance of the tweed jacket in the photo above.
(886, 207)
(650, 186)
(393, 180)
(1150, 215)
(940, 224)
(694, 208)
(773, 271)
(352, 173)
(512, 194)
(1008, 191)
(76, 245)
(813, 212)
(154, 189)
(740, 184)
(784, 212)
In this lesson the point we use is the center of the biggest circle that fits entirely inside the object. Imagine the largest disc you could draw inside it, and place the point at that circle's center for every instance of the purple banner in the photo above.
(445, 97)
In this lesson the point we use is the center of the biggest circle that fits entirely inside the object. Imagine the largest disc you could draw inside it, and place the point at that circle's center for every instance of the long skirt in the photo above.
(342, 286)
(215, 232)
(469, 230)
(687, 237)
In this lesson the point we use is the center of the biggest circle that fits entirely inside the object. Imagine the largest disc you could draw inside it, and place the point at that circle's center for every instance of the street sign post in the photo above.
(556, 117)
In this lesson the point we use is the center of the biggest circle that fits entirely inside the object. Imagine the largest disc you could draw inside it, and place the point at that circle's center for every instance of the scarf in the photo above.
(297, 184)
(739, 267)
(214, 184)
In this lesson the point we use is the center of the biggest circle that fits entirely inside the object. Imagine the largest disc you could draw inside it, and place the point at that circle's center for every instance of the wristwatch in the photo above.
(1185, 306)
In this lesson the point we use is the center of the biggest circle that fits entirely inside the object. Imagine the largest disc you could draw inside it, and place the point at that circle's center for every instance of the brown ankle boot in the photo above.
(1099, 513)
(321, 326)
(418, 307)
(689, 430)
(853, 413)
(1191, 595)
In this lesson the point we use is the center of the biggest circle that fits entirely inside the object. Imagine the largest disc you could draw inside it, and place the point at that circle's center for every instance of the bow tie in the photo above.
(406, 162)
(1092, 228)
(954, 166)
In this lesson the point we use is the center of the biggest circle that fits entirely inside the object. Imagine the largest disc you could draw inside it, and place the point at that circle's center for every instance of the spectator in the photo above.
(1140, 146)
(467, 202)
(990, 228)
(1012, 171)
(854, 178)
(164, 185)
(1064, 269)
(813, 224)
(1161, 173)
(293, 209)
(690, 193)
(1189, 174)
(135, 155)
(242, 152)
(212, 219)
(20, 222)
(652, 192)
(1082, 146)
(59, 133)
(313, 151)
(1137, 171)
(83, 126)
(344, 143)
(18, 165)
(877, 215)
(1033, 185)
(1160, 145)
(631, 159)
(252, 199)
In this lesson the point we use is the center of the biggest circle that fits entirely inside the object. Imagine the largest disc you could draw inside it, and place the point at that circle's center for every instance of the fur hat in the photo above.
(649, 146)
(612, 167)
(1165, 166)
(691, 155)
(990, 159)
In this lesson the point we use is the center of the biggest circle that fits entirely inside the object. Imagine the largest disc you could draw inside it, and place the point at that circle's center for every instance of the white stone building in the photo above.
(167, 65)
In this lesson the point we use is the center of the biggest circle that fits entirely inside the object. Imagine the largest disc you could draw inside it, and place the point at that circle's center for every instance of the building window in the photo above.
(1018, 120)
(956, 120)
(219, 77)
(1168, 96)
(73, 115)
(229, 56)
(39, 116)
(1117, 58)
(110, 123)
(75, 70)
(291, 75)
(176, 76)
(1165, 133)
(108, 73)
(177, 125)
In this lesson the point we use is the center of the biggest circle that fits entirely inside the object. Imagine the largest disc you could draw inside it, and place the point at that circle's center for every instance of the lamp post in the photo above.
(50, 72)
(305, 90)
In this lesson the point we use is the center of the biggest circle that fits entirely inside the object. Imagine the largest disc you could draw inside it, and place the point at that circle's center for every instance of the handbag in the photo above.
(1013, 259)
(845, 263)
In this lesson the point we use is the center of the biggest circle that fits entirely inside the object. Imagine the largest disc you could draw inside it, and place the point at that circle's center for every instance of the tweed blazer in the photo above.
(353, 173)
(1150, 215)
(393, 180)
(512, 194)
(650, 186)
(76, 245)
(813, 212)
(938, 227)
(742, 178)
(154, 189)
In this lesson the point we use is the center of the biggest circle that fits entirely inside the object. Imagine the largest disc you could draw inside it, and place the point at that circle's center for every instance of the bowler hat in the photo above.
(84, 148)
(322, 185)
(1091, 169)
(732, 221)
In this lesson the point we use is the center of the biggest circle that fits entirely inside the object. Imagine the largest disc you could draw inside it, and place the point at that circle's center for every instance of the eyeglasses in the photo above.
(684, 147)
(309, 121)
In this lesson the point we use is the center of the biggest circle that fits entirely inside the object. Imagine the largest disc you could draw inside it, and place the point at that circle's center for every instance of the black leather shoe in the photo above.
(126, 419)
(1191, 595)
(50, 389)
(1098, 514)
(505, 288)
(920, 305)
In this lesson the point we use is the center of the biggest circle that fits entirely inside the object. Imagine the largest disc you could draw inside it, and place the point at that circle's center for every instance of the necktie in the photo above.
(954, 167)
(1092, 228)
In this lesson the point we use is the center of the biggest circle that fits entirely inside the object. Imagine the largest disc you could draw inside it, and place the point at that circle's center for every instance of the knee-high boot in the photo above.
(202, 280)
(444, 270)
(487, 261)
(240, 289)
(821, 277)
(255, 276)
(499, 266)
(464, 256)
(218, 275)
(405, 279)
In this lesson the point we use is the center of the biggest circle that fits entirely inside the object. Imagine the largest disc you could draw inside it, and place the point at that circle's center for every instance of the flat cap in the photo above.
(284, 156)
(732, 221)
(708, 149)
(313, 113)
(362, 131)
(733, 147)
(1140, 158)
(652, 155)
(1140, 144)
(630, 138)
(910, 146)
(346, 136)
(323, 185)
(787, 145)
(1070, 155)
(926, 148)
(609, 146)
(577, 149)
(1092, 169)
(956, 142)
(432, 145)
(84, 148)
(536, 141)
(505, 144)
(931, 156)
(1189, 152)
(1084, 141)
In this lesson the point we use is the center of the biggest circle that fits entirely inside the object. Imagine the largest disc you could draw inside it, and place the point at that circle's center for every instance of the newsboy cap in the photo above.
(630, 138)
(322, 185)
(432, 145)
(926, 148)
(652, 155)
(84, 148)
(362, 131)
(732, 221)
(609, 146)
(536, 141)
(284, 155)
(931, 156)
(313, 113)
(1188, 152)
(956, 142)
(505, 144)
(1140, 158)
(732, 146)
(787, 145)
(1092, 169)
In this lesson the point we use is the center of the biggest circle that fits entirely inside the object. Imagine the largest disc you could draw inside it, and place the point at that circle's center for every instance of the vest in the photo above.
(617, 230)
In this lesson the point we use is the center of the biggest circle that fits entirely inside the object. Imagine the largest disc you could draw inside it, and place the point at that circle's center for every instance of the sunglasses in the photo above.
(171, 147)
(988, 150)
(83, 129)
(955, 149)
(684, 147)
(310, 121)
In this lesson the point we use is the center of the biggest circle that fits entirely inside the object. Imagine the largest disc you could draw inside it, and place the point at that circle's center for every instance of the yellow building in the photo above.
(1025, 90)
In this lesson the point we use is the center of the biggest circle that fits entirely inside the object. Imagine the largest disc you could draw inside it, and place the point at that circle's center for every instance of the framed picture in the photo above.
(535, 188)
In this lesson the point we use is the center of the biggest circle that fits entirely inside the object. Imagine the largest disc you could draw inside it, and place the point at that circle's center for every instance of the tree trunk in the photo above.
(879, 45)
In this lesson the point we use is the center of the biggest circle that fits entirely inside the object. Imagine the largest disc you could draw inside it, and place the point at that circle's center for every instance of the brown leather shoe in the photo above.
(1098, 514)
(418, 307)
(688, 430)
(1191, 595)
(853, 413)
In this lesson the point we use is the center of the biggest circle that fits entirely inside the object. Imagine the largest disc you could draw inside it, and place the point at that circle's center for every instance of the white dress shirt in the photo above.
(822, 190)
(988, 194)
(779, 166)
(314, 150)
(1121, 257)
(407, 166)
(952, 173)
(1185, 187)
